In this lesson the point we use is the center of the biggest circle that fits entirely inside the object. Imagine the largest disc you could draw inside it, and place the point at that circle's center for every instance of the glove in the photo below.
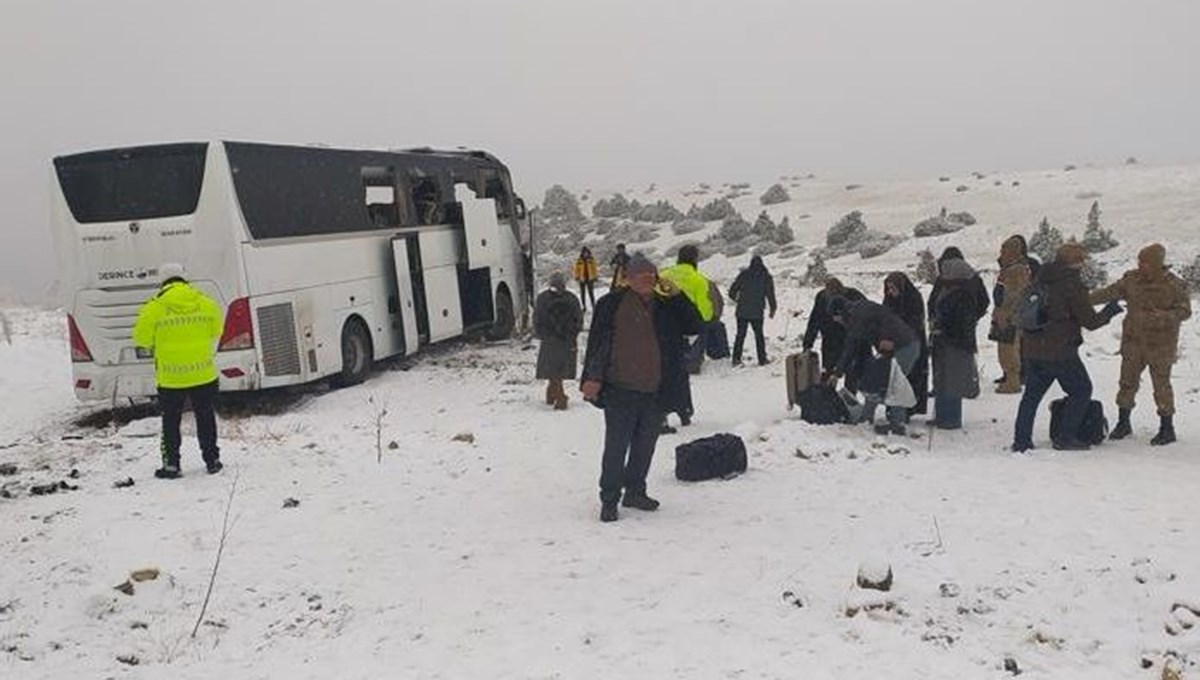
(1112, 309)
(667, 287)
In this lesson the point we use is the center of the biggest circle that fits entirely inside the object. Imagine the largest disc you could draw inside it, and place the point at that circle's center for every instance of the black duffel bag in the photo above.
(1094, 429)
(820, 404)
(720, 455)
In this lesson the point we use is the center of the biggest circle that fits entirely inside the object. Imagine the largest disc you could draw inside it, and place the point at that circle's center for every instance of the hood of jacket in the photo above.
(1011, 251)
(180, 298)
(1154, 256)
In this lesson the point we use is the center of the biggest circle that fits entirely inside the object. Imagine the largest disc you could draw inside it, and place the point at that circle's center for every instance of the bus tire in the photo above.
(357, 354)
(506, 321)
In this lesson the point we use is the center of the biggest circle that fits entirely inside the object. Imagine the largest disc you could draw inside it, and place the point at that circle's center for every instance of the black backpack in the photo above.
(1094, 429)
(1033, 311)
(820, 404)
(721, 455)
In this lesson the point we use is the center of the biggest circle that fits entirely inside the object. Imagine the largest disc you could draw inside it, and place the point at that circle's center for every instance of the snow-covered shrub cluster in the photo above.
(1046, 241)
(926, 270)
(850, 234)
(816, 274)
(776, 194)
(560, 204)
(943, 223)
(716, 209)
(1095, 238)
(1190, 273)
(1094, 273)
(686, 226)
(618, 206)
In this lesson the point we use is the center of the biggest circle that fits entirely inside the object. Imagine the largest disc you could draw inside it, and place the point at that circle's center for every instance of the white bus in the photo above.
(324, 259)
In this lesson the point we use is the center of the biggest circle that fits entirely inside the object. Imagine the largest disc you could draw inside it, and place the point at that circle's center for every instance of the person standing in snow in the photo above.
(903, 298)
(586, 273)
(1014, 278)
(685, 275)
(182, 326)
(557, 320)
(832, 334)
(754, 292)
(956, 311)
(1158, 303)
(633, 370)
(1051, 354)
(619, 262)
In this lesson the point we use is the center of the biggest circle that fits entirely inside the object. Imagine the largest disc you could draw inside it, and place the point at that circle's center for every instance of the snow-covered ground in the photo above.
(469, 547)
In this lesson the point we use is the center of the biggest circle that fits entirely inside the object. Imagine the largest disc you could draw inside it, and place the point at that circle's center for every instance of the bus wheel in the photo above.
(502, 328)
(356, 354)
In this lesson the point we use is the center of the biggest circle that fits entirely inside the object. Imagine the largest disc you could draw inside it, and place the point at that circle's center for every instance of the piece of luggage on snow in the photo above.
(822, 405)
(801, 371)
(1094, 429)
(721, 455)
(716, 340)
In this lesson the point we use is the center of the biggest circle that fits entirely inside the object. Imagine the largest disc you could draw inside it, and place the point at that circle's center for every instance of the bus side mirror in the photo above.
(520, 209)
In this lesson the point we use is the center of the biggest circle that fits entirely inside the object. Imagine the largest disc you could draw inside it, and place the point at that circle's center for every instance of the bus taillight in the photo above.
(239, 332)
(79, 349)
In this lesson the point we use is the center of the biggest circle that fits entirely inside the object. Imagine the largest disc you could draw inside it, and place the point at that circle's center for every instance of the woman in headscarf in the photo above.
(956, 312)
(903, 298)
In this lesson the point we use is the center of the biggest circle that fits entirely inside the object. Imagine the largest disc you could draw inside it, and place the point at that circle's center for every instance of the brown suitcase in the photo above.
(802, 370)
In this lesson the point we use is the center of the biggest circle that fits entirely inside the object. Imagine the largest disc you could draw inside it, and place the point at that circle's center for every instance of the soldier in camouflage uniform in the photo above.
(1158, 303)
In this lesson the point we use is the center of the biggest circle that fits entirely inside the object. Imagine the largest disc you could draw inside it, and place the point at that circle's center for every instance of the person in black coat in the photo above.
(754, 292)
(822, 324)
(956, 314)
(872, 327)
(975, 286)
(903, 298)
(633, 369)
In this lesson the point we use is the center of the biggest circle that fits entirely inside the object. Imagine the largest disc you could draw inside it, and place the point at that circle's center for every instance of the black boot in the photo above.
(1166, 432)
(639, 501)
(1123, 428)
(608, 512)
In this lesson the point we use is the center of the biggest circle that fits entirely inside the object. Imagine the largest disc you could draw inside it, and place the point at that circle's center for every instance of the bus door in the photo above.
(482, 227)
(403, 250)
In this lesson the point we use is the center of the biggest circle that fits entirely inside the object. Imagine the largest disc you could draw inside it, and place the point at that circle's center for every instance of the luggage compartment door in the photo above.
(404, 284)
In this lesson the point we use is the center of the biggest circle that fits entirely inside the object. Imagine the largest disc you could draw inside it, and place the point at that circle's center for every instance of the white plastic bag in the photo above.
(899, 391)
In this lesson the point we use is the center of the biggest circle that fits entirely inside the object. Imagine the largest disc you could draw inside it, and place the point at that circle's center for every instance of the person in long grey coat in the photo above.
(957, 309)
(557, 320)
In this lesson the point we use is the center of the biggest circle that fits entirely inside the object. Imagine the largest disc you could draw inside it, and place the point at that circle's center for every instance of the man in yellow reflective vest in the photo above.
(182, 326)
(686, 276)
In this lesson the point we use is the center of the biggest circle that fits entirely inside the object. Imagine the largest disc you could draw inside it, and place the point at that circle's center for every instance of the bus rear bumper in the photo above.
(94, 382)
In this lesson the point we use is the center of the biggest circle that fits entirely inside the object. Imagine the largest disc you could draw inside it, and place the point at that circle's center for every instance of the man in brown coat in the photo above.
(1158, 303)
(1011, 284)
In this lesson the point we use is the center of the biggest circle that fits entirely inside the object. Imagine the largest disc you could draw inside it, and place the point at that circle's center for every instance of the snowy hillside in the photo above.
(455, 535)
(1141, 203)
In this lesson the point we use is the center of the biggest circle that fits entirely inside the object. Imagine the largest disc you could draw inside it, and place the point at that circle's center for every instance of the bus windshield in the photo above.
(133, 184)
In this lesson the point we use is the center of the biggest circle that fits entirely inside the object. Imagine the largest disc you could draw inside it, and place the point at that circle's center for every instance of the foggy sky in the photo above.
(603, 94)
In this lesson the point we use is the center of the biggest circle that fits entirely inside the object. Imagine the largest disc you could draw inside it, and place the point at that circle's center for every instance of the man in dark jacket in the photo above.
(821, 323)
(903, 298)
(1052, 353)
(557, 320)
(633, 369)
(754, 291)
(871, 325)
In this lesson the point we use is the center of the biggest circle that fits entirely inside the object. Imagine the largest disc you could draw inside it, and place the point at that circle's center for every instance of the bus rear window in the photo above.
(138, 183)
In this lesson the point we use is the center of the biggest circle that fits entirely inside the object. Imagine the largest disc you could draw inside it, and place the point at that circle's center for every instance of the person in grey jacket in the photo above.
(557, 320)
(754, 292)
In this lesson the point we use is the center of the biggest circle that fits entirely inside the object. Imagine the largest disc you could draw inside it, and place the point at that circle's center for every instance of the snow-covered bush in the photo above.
(848, 230)
(877, 244)
(935, 226)
(776, 194)
(765, 248)
(734, 228)
(1190, 273)
(560, 204)
(1095, 238)
(1094, 274)
(926, 270)
(656, 213)
(1046, 241)
(616, 206)
(783, 232)
(964, 218)
(686, 226)
(816, 274)
(716, 209)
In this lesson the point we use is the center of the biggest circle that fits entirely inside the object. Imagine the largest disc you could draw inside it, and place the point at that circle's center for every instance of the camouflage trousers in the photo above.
(1009, 354)
(1133, 364)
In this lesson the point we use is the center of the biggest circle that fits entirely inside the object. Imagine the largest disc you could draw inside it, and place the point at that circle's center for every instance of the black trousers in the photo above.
(588, 287)
(760, 341)
(172, 401)
(632, 421)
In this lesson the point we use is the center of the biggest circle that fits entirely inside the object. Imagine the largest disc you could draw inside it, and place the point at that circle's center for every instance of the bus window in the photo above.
(138, 183)
(428, 202)
(379, 187)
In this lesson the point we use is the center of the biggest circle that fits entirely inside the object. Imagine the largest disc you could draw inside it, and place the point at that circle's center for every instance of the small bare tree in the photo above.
(380, 412)
(225, 529)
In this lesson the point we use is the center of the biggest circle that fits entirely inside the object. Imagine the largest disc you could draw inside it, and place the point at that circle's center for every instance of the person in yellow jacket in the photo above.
(182, 326)
(685, 275)
(586, 274)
